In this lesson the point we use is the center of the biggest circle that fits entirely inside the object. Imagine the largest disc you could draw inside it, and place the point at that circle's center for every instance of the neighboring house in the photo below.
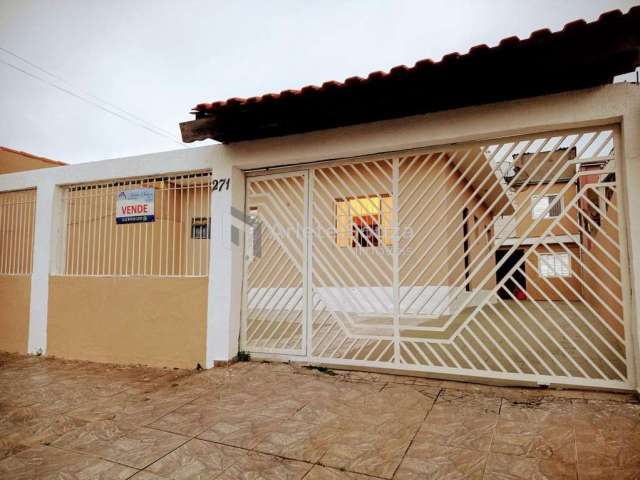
(556, 258)
(15, 161)
(574, 240)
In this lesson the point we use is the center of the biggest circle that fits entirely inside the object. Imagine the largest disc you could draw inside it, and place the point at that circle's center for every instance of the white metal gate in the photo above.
(275, 281)
(500, 259)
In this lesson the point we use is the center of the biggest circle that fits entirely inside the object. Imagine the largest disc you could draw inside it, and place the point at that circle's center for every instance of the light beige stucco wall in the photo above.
(14, 312)
(16, 161)
(540, 288)
(152, 321)
(605, 295)
(567, 225)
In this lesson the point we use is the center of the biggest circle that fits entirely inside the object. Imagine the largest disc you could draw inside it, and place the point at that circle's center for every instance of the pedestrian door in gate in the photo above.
(275, 280)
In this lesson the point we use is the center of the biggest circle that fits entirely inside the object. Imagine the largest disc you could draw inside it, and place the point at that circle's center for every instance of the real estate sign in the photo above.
(135, 206)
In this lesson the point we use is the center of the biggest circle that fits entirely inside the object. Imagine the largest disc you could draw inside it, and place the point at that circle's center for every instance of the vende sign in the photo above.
(135, 206)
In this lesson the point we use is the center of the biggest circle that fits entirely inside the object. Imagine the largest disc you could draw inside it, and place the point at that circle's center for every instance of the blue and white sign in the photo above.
(135, 206)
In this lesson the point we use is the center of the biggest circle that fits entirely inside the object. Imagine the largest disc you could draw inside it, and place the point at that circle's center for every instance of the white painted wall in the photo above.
(618, 103)
(225, 270)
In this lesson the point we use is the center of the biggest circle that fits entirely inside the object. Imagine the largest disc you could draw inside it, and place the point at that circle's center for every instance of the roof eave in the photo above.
(580, 56)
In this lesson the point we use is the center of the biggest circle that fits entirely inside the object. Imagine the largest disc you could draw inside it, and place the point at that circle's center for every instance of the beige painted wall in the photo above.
(435, 256)
(525, 211)
(606, 295)
(152, 321)
(14, 312)
(554, 288)
(15, 161)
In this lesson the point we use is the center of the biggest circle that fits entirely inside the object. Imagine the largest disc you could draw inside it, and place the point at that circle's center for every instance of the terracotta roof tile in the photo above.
(605, 46)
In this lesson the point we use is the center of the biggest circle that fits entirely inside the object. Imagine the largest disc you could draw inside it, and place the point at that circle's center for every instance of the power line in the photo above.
(101, 100)
(131, 117)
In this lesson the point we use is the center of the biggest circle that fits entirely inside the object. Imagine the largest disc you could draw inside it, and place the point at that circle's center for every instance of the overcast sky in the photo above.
(157, 59)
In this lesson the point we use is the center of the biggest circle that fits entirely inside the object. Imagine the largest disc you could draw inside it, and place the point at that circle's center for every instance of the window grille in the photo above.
(154, 241)
(17, 215)
(200, 228)
(555, 265)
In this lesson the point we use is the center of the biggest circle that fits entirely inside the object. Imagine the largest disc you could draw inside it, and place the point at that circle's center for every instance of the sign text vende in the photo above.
(135, 206)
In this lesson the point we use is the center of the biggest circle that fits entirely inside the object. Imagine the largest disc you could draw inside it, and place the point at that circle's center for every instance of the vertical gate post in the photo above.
(631, 183)
(396, 258)
(225, 268)
(46, 240)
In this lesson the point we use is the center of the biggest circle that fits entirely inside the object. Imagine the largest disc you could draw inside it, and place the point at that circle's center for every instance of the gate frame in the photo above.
(397, 366)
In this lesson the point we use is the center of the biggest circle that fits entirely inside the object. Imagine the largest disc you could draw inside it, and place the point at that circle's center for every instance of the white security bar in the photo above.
(17, 216)
(153, 226)
(435, 260)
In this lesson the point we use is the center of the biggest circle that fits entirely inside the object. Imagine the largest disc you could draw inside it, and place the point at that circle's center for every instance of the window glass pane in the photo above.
(540, 206)
(556, 265)
(343, 223)
(387, 219)
(546, 265)
(200, 228)
(364, 206)
(563, 265)
(556, 210)
(364, 221)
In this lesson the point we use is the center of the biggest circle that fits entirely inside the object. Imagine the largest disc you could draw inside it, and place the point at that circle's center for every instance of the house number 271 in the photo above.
(218, 185)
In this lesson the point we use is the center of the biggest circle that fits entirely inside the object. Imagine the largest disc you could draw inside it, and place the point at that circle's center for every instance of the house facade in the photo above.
(392, 230)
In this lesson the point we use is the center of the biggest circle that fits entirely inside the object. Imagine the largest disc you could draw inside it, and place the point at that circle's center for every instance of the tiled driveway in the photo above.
(76, 420)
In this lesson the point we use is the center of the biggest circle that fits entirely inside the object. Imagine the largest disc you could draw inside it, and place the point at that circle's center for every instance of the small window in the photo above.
(555, 265)
(541, 204)
(200, 228)
(364, 221)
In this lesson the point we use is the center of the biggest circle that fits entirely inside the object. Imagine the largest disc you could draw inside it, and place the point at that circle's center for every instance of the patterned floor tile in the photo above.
(507, 467)
(319, 472)
(238, 430)
(46, 463)
(197, 459)
(265, 467)
(126, 444)
(607, 438)
(297, 440)
(461, 419)
(78, 420)
(437, 462)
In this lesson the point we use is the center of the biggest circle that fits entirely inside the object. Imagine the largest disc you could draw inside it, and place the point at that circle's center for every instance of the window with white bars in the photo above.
(555, 265)
(541, 204)
(165, 234)
(17, 215)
